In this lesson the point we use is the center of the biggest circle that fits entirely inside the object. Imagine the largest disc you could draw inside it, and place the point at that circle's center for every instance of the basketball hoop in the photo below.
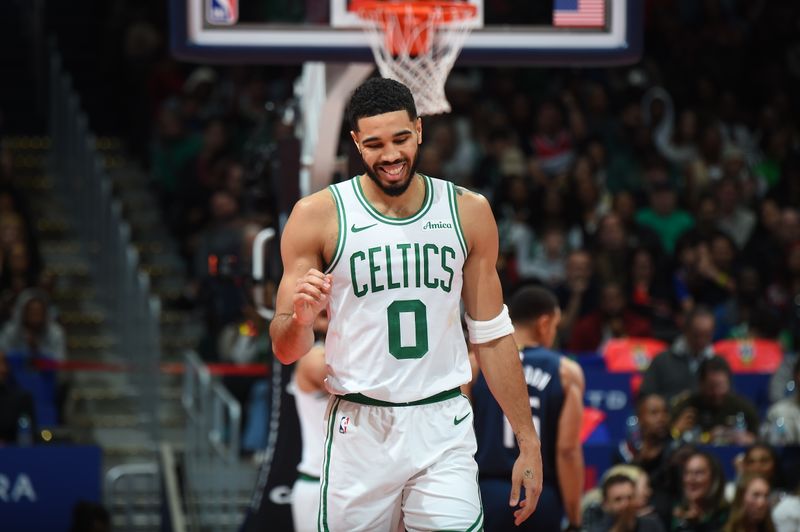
(416, 42)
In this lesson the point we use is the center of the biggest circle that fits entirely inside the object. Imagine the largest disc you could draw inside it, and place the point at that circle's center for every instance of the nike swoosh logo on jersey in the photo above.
(359, 229)
(456, 419)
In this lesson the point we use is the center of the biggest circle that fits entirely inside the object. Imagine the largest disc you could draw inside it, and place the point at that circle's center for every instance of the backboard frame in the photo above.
(191, 39)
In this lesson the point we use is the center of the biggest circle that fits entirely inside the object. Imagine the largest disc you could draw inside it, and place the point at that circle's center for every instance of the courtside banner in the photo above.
(39, 485)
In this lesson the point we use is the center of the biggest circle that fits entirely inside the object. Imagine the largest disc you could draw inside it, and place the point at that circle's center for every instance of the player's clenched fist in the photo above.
(311, 296)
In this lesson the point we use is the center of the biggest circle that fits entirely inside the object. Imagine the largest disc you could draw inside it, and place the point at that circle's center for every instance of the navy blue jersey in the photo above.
(497, 446)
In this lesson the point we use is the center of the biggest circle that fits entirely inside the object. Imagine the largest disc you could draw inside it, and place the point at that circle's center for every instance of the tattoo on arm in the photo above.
(528, 473)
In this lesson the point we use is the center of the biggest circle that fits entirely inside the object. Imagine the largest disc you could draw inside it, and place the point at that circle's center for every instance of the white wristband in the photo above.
(481, 332)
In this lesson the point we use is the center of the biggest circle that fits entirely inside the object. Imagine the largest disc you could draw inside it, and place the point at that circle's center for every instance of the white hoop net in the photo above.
(418, 50)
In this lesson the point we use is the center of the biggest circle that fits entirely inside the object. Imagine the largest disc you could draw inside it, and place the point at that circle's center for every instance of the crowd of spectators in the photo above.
(29, 330)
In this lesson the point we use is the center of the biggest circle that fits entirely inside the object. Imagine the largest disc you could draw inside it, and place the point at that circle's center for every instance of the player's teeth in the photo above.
(394, 169)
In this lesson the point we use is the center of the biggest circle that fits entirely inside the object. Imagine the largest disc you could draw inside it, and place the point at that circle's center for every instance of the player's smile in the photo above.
(393, 171)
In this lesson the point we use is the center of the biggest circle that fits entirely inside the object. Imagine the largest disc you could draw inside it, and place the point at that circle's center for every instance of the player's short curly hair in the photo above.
(530, 303)
(377, 96)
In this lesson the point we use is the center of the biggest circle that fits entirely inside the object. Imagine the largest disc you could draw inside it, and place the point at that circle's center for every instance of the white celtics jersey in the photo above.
(395, 327)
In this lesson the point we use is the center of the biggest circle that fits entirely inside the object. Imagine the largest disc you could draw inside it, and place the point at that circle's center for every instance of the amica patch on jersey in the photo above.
(431, 225)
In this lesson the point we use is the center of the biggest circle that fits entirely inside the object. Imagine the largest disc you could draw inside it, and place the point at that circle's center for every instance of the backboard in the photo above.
(506, 32)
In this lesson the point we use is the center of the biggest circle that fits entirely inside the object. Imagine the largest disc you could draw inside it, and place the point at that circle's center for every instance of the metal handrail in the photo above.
(217, 482)
(226, 415)
(120, 489)
(173, 494)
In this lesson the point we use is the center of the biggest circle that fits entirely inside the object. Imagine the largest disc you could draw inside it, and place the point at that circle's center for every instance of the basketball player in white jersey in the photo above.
(390, 254)
(311, 399)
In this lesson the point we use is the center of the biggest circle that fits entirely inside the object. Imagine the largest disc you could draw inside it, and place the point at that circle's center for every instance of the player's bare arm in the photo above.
(569, 453)
(499, 359)
(307, 240)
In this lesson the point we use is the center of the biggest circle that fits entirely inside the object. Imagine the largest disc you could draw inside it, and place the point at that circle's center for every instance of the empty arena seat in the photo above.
(631, 354)
(750, 355)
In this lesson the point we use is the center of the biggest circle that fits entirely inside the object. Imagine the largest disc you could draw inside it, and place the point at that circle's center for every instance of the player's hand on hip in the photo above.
(311, 295)
(527, 475)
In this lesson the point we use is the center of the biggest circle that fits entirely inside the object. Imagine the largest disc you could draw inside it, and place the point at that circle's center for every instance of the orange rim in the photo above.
(419, 10)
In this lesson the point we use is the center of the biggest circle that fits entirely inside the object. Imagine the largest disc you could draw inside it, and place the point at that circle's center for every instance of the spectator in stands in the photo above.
(782, 293)
(765, 249)
(173, 147)
(513, 205)
(702, 507)
(716, 261)
(705, 219)
(12, 231)
(218, 267)
(32, 331)
(488, 170)
(714, 412)
(675, 371)
(588, 202)
(552, 210)
(14, 404)
(790, 226)
(663, 215)
(90, 516)
(18, 274)
(613, 319)
(639, 236)
(546, 263)
(758, 459)
(762, 459)
(579, 293)
(750, 511)
(620, 510)
(735, 318)
(245, 341)
(650, 294)
(676, 143)
(686, 278)
(734, 219)
(612, 250)
(202, 176)
(786, 514)
(706, 169)
(782, 383)
(649, 451)
(552, 143)
(458, 162)
(782, 424)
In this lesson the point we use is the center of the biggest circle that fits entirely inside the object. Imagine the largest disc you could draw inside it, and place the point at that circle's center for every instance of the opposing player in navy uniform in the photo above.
(555, 387)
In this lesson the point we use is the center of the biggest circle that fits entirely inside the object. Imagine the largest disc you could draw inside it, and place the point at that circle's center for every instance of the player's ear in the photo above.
(355, 140)
(542, 324)
(419, 130)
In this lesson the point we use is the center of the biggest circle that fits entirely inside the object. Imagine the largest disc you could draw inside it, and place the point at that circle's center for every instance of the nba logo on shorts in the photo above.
(222, 12)
(343, 423)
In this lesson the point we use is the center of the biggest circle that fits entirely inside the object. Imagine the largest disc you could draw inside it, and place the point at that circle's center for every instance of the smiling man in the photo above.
(391, 254)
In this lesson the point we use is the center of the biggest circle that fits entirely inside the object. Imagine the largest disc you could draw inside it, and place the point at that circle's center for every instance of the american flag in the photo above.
(579, 13)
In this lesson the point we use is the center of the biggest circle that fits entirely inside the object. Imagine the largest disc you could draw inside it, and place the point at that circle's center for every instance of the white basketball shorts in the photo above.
(389, 467)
